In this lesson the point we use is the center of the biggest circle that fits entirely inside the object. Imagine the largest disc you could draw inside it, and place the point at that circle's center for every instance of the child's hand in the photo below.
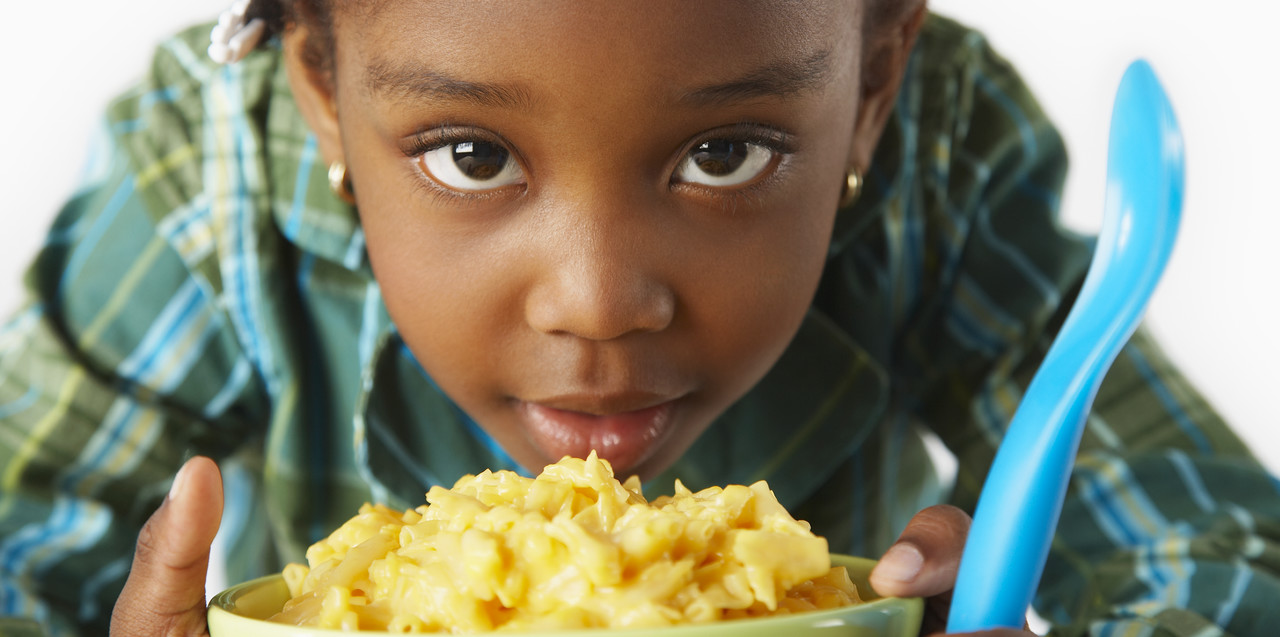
(164, 594)
(923, 563)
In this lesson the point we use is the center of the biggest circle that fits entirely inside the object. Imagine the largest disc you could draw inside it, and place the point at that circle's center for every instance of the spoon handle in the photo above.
(1022, 498)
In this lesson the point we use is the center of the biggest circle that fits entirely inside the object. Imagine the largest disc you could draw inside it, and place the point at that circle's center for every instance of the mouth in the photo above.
(625, 430)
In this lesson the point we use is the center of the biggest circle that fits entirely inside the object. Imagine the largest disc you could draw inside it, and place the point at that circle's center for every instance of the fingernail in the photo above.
(179, 481)
(902, 563)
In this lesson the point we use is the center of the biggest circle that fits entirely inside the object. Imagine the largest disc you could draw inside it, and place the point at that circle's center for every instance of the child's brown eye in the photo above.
(724, 162)
(473, 165)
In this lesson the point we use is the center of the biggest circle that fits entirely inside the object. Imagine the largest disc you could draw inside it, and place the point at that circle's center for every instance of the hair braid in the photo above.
(314, 15)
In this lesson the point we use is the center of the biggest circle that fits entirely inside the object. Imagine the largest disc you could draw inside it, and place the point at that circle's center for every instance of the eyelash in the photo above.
(777, 141)
(438, 137)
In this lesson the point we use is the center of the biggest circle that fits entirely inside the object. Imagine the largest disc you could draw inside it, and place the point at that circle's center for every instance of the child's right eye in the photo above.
(471, 166)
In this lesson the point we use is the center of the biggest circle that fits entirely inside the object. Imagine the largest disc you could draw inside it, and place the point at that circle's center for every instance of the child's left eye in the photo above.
(472, 166)
(722, 163)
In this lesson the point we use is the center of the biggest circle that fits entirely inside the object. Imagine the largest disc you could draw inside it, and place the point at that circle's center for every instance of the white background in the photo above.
(1215, 311)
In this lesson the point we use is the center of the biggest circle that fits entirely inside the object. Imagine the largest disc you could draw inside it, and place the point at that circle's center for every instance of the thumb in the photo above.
(924, 560)
(164, 594)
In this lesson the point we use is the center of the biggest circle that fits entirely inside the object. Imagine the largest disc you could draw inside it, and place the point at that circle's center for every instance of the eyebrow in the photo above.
(779, 79)
(405, 83)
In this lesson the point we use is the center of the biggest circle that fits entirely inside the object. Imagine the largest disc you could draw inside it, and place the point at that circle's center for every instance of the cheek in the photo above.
(754, 296)
(454, 303)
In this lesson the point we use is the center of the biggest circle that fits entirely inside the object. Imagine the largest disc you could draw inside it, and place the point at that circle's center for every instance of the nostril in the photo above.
(659, 312)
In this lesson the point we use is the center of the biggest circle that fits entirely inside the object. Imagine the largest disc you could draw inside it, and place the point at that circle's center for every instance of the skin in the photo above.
(594, 286)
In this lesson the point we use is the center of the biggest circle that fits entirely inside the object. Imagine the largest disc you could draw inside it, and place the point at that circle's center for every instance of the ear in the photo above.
(313, 92)
(885, 57)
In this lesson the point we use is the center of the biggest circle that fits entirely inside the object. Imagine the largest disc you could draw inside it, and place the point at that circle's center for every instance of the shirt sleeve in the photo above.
(1170, 526)
(119, 367)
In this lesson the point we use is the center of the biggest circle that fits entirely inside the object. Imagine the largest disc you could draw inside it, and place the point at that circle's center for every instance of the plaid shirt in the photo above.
(205, 293)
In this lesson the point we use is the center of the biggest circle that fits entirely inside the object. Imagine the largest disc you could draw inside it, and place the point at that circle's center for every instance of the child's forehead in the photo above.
(618, 27)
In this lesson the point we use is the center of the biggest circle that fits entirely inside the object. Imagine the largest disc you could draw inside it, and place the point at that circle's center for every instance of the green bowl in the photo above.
(240, 611)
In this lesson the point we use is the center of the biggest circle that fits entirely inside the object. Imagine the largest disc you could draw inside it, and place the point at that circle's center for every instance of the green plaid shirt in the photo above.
(205, 293)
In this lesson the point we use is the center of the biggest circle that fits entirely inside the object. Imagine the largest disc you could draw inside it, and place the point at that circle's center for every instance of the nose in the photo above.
(599, 285)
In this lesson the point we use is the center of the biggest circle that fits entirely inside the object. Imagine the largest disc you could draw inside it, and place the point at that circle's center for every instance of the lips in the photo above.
(616, 429)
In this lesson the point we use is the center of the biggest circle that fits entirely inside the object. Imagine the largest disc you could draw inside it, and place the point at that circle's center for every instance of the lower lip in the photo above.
(624, 439)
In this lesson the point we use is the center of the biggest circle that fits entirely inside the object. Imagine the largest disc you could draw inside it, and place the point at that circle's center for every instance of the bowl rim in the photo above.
(219, 606)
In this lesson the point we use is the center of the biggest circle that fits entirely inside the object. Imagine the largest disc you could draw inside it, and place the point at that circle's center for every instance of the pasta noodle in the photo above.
(572, 548)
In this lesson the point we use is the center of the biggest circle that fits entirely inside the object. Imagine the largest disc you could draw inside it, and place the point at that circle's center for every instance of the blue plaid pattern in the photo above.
(205, 293)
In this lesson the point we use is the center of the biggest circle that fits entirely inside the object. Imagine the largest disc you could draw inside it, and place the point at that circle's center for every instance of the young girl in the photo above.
(721, 241)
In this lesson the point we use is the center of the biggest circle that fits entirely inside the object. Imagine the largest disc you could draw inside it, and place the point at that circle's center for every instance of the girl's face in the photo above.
(596, 225)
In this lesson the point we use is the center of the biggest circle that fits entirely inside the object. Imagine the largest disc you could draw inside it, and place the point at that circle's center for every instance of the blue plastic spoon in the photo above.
(1022, 498)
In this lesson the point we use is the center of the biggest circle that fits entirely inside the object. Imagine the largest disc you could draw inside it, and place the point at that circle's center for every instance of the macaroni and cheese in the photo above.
(572, 548)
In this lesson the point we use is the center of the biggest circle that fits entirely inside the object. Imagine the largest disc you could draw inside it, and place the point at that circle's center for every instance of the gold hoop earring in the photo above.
(852, 188)
(339, 183)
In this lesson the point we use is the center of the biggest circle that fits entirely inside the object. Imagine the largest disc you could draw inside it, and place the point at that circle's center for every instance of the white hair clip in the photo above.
(232, 38)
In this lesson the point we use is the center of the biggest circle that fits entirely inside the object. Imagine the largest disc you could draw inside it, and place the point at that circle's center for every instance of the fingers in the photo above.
(923, 563)
(164, 594)
(924, 560)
